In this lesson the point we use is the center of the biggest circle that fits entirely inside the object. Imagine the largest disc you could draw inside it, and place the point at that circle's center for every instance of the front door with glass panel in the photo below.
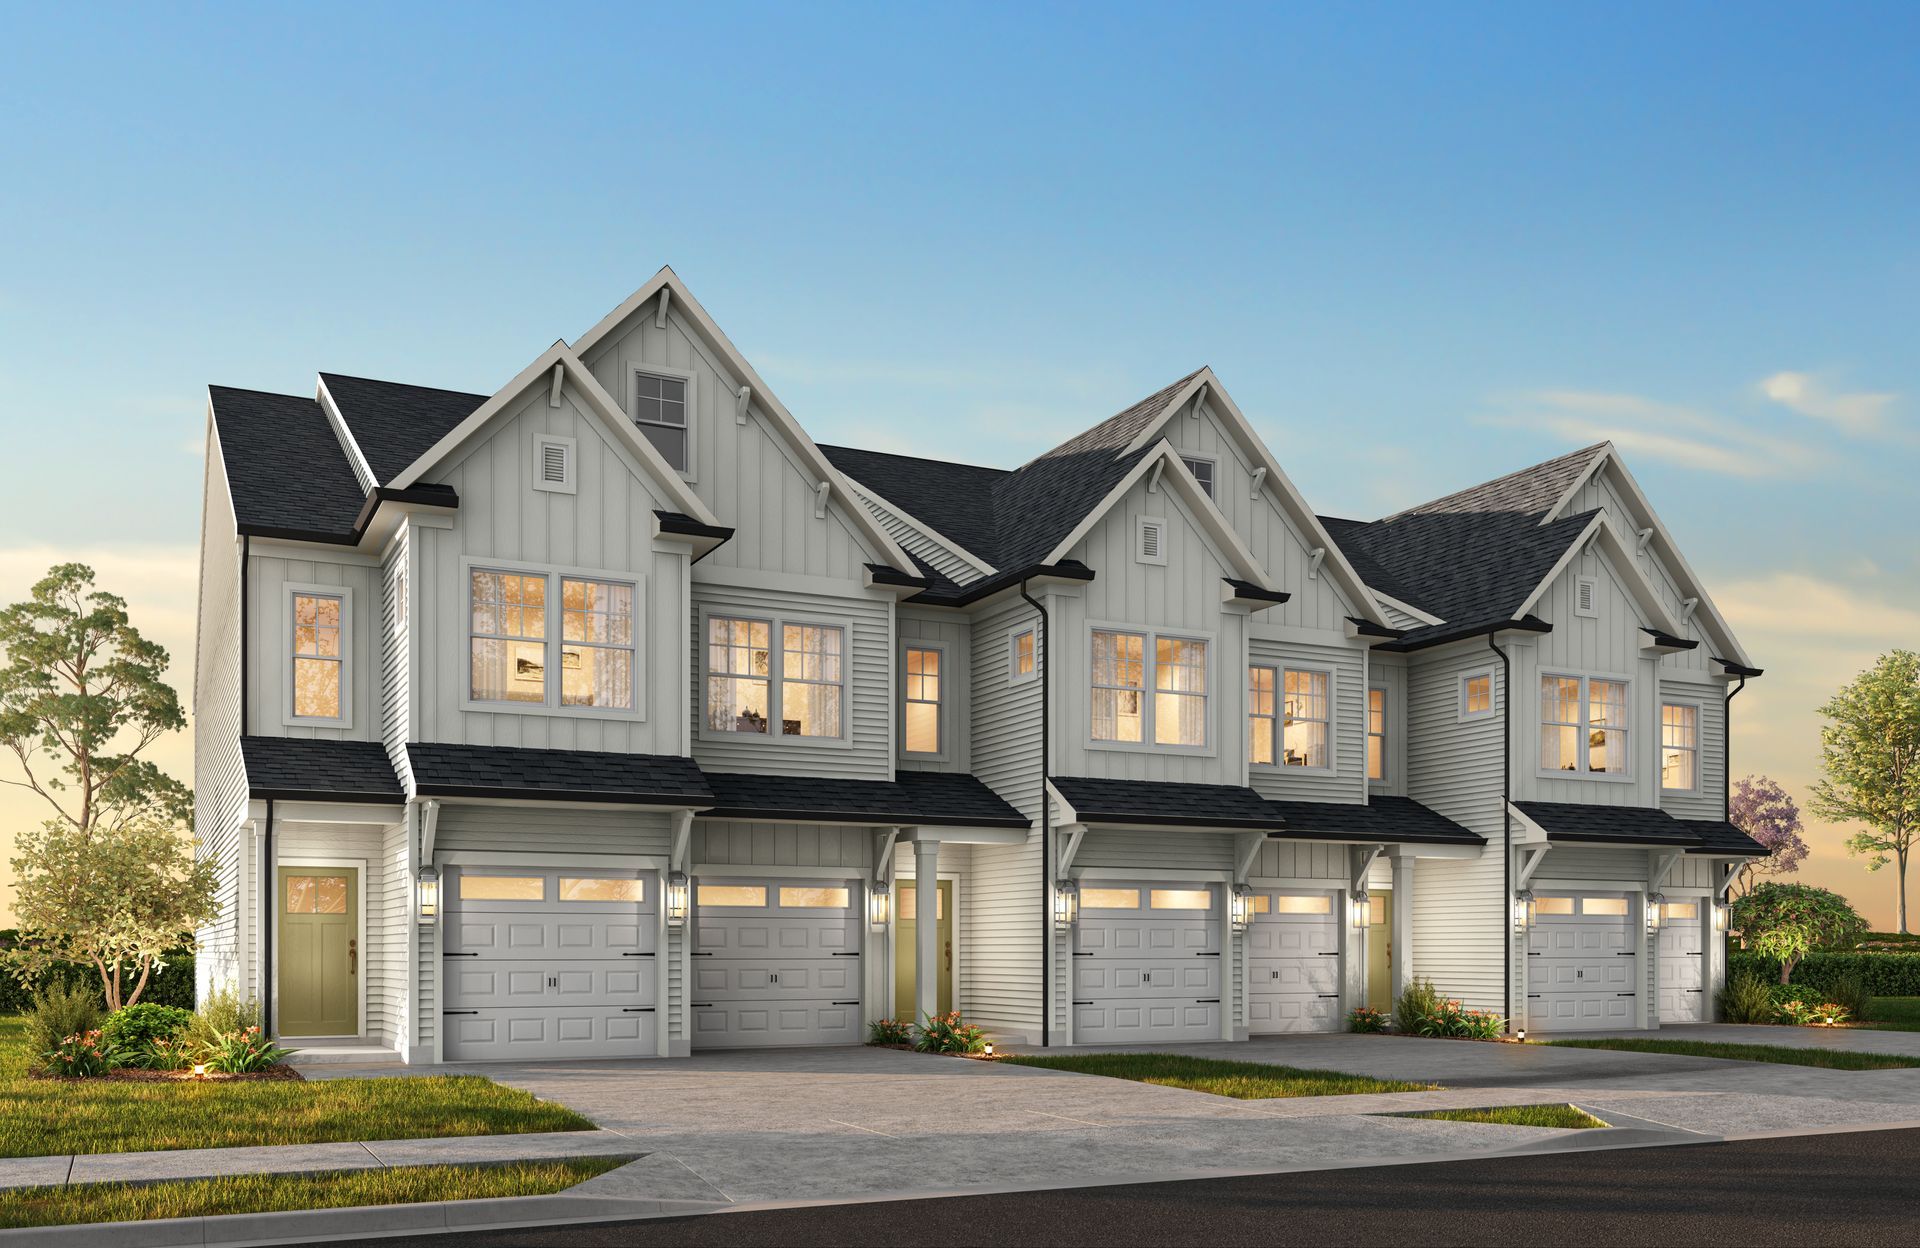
(906, 951)
(319, 951)
(1380, 951)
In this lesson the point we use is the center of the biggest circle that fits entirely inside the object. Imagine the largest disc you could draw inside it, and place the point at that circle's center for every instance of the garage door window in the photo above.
(814, 898)
(1182, 899)
(503, 888)
(733, 895)
(591, 889)
(1259, 903)
(1552, 905)
(1681, 910)
(1614, 907)
(1110, 898)
(1321, 904)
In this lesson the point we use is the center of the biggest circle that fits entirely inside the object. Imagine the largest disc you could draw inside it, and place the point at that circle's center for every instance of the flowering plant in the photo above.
(243, 1052)
(1805, 1014)
(889, 1031)
(83, 1055)
(945, 1033)
(1366, 1018)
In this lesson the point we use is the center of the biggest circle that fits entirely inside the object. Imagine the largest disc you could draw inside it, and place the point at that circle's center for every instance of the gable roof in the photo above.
(286, 470)
(392, 423)
(955, 500)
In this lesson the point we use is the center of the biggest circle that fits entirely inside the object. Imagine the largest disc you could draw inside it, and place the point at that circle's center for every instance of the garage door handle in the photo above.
(854, 954)
(1078, 954)
(636, 955)
(703, 1005)
(637, 1009)
(1083, 1003)
(1626, 994)
(1206, 1000)
(698, 954)
(459, 1011)
(1329, 996)
(843, 1003)
(1329, 955)
(462, 955)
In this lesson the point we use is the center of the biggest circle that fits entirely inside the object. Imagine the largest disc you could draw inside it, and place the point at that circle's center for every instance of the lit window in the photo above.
(1179, 899)
(509, 637)
(1109, 899)
(1680, 910)
(503, 887)
(810, 681)
(1306, 719)
(739, 675)
(1020, 655)
(1476, 695)
(316, 894)
(1310, 903)
(1176, 715)
(812, 898)
(511, 651)
(1612, 907)
(1260, 714)
(1179, 692)
(1202, 470)
(1679, 746)
(732, 895)
(1119, 686)
(1376, 734)
(1583, 725)
(596, 651)
(1553, 906)
(923, 701)
(1259, 903)
(598, 888)
(660, 409)
(908, 902)
(318, 659)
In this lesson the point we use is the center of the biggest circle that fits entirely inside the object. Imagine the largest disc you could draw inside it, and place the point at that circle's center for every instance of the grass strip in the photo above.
(1247, 1081)
(1894, 1014)
(274, 1193)
(40, 1118)
(1830, 1059)
(1565, 1116)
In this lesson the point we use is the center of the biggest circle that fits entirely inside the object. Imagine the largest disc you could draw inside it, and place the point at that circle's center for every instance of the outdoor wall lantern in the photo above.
(1240, 907)
(1359, 907)
(1066, 905)
(1719, 916)
(1654, 902)
(427, 891)
(879, 905)
(1522, 906)
(677, 899)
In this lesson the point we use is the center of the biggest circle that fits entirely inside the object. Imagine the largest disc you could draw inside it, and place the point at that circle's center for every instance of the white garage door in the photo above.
(1293, 962)
(541, 964)
(1683, 996)
(1146, 963)
(775, 962)
(1582, 969)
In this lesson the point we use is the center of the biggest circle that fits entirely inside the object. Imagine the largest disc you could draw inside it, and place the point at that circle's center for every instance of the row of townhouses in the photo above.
(609, 715)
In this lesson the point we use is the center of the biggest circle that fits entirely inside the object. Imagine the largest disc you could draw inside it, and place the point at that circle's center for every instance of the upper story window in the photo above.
(1202, 470)
(923, 692)
(1021, 658)
(1297, 730)
(1476, 695)
(319, 656)
(1376, 734)
(1260, 714)
(513, 650)
(1583, 725)
(1176, 715)
(746, 690)
(1679, 746)
(659, 404)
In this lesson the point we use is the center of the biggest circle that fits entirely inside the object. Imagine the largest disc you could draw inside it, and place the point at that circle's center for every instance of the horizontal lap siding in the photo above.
(1565, 862)
(954, 567)
(1347, 780)
(382, 961)
(387, 959)
(1709, 801)
(219, 778)
(556, 830)
(395, 660)
(953, 635)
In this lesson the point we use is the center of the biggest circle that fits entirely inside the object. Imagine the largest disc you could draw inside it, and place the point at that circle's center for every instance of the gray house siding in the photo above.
(219, 778)
(952, 634)
(1600, 492)
(1345, 780)
(276, 569)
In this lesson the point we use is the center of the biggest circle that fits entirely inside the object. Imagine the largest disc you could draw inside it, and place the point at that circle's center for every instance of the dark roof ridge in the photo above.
(827, 447)
(410, 385)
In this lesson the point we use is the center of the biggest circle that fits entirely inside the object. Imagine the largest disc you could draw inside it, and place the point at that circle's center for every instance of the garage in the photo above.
(1682, 975)
(1582, 962)
(1293, 962)
(1146, 962)
(775, 962)
(545, 964)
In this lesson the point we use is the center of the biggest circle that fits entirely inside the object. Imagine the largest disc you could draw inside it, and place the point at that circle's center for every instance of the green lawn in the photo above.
(1247, 1081)
(266, 1193)
(1895, 1013)
(42, 1117)
(1831, 1059)
(1519, 1116)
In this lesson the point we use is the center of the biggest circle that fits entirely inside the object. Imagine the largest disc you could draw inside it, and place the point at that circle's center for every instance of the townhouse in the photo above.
(609, 715)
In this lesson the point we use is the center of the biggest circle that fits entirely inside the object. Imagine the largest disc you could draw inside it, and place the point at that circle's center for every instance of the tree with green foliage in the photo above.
(110, 880)
(1787, 921)
(1870, 753)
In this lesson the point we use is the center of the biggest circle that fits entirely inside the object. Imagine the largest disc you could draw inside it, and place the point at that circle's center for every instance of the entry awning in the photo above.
(318, 769)
(912, 798)
(1235, 808)
(501, 771)
(1577, 823)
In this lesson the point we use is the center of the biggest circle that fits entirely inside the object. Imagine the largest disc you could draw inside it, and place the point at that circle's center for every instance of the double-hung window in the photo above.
(1583, 725)
(922, 712)
(1126, 666)
(749, 685)
(1202, 470)
(319, 656)
(660, 409)
(1261, 710)
(1679, 746)
(1376, 734)
(1289, 717)
(513, 650)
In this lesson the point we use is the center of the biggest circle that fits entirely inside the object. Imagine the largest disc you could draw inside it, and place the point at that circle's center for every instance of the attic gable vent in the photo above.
(1151, 543)
(553, 464)
(1586, 596)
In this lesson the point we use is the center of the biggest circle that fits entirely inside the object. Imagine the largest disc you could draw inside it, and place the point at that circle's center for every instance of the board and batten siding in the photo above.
(276, 568)
(867, 751)
(219, 777)
(1346, 779)
(917, 541)
(605, 527)
(745, 473)
(1454, 768)
(952, 634)
(719, 843)
(1601, 493)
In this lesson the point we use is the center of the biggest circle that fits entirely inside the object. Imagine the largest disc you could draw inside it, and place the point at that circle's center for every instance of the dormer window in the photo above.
(659, 404)
(1202, 470)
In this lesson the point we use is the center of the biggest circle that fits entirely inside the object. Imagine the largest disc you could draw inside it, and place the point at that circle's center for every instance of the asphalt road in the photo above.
(1857, 1189)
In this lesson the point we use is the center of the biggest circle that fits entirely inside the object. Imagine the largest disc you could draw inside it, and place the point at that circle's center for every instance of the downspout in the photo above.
(1506, 826)
(269, 903)
(1046, 824)
(1726, 750)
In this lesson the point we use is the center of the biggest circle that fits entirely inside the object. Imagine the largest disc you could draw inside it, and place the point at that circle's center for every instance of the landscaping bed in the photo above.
(134, 1074)
(272, 1193)
(1830, 1059)
(1247, 1081)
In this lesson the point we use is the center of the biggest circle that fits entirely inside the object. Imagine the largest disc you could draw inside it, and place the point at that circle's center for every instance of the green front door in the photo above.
(906, 956)
(1380, 951)
(319, 951)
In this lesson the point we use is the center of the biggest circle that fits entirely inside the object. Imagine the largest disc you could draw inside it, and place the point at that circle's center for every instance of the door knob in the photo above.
(353, 956)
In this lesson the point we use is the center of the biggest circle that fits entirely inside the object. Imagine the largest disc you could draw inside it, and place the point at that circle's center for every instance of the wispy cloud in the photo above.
(1860, 413)
(1669, 432)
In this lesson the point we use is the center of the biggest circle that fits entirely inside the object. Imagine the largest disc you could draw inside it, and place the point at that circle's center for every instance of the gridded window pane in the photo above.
(596, 664)
(923, 728)
(1119, 686)
(509, 621)
(1318, 903)
(1559, 747)
(502, 887)
(810, 686)
(1476, 694)
(732, 895)
(1559, 723)
(1607, 720)
(1109, 899)
(909, 902)
(1023, 653)
(1181, 899)
(739, 674)
(1679, 746)
(1260, 714)
(813, 898)
(316, 894)
(317, 663)
(660, 409)
(1376, 911)
(1304, 708)
(594, 888)
(1376, 734)
(1180, 692)
(1202, 470)
(923, 701)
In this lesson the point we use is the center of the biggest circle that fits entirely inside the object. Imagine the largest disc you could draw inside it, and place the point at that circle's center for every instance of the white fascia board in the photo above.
(1531, 833)
(1174, 473)
(1425, 617)
(1620, 560)
(625, 432)
(685, 306)
(1069, 814)
(1567, 496)
(361, 468)
(866, 491)
(1292, 502)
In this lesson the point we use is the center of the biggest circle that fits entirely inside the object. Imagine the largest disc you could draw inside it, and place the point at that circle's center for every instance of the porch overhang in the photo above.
(1630, 827)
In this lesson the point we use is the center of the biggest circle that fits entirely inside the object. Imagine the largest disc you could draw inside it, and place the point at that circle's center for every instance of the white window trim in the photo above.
(570, 484)
(1014, 675)
(636, 368)
(1699, 754)
(776, 623)
(344, 719)
(1280, 667)
(1385, 733)
(1140, 524)
(1493, 695)
(1584, 723)
(1213, 462)
(1148, 662)
(942, 720)
(554, 574)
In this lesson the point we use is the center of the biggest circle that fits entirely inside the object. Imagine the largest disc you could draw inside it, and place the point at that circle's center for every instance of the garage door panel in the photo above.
(774, 974)
(1586, 1011)
(1125, 1022)
(524, 936)
(754, 1024)
(1293, 962)
(1293, 1013)
(1583, 965)
(1194, 977)
(542, 1033)
(1316, 975)
(1585, 975)
(1109, 937)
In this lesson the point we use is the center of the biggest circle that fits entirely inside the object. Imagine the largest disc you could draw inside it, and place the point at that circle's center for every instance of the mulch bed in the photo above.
(128, 1074)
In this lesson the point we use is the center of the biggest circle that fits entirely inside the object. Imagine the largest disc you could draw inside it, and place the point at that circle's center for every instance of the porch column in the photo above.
(1400, 964)
(926, 929)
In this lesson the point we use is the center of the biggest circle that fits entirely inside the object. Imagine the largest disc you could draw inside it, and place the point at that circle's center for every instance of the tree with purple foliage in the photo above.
(1764, 811)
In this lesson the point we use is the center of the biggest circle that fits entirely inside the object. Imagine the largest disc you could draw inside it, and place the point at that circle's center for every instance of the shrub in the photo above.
(1887, 974)
(81, 1056)
(889, 1031)
(243, 1052)
(60, 1010)
(1419, 999)
(137, 1026)
(1365, 1018)
(1788, 921)
(1849, 992)
(1747, 998)
(1424, 1012)
(945, 1033)
(221, 1014)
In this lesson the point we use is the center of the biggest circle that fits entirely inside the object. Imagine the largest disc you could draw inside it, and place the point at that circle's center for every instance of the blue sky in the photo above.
(1420, 245)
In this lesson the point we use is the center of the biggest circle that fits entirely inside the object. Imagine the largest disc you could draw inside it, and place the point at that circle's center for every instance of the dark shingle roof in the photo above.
(318, 769)
(1225, 806)
(1636, 825)
(1719, 837)
(1529, 491)
(394, 424)
(286, 469)
(956, 499)
(913, 797)
(1396, 819)
(441, 770)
